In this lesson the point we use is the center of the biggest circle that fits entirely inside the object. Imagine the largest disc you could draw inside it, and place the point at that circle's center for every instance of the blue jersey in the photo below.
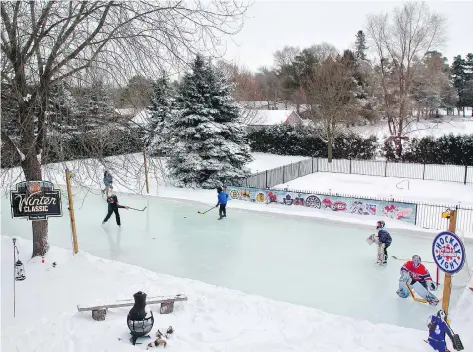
(438, 328)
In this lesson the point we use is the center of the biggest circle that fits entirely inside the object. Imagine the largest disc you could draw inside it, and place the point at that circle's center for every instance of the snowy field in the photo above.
(433, 127)
(213, 319)
(384, 187)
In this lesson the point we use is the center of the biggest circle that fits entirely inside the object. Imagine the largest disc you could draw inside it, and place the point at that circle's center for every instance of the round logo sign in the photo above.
(448, 252)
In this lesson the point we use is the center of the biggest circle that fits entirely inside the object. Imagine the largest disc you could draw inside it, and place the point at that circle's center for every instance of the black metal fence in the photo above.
(428, 215)
(289, 172)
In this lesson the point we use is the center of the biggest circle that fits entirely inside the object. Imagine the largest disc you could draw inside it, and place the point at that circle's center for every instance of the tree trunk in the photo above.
(32, 169)
(329, 149)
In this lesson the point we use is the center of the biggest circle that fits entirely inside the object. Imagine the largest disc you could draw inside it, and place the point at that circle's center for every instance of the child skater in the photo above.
(222, 201)
(113, 208)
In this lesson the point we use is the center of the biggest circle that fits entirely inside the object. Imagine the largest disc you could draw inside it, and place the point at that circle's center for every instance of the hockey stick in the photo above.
(421, 300)
(205, 211)
(405, 259)
(137, 209)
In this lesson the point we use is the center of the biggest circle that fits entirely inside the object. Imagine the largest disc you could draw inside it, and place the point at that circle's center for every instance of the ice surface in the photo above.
(309, 262)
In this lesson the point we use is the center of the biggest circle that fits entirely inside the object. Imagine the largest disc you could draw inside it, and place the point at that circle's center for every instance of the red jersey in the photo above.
(419, 274)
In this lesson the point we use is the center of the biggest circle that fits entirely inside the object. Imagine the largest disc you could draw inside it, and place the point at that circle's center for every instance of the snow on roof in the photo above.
(270, 117)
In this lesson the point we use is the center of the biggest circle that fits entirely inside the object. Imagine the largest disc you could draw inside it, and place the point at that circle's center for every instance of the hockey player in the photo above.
(385, 241)
(107, 181)
(222, 201)
(416, 275)
(438, 327)
(113, 208)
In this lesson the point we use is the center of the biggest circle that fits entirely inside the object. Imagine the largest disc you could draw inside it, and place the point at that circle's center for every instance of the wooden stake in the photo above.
(146, 172)
(71, 212)
(447, 285)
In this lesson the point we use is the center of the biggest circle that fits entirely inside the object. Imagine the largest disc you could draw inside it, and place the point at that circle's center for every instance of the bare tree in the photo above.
(330, 89)
(285, 56)
(400, 43)
(44, 43)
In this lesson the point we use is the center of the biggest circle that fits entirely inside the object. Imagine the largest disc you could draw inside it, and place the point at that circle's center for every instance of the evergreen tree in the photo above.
(459, 75)
(210, 145)
(97, 107)
(161, 113)
(468, 88)
(360, 46)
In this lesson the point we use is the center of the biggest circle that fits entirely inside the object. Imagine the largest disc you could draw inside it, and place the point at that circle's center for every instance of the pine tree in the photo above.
(210, 146)
(161, 113)
(468, 88)
(360, 46)
(97, 107)
(458, 71)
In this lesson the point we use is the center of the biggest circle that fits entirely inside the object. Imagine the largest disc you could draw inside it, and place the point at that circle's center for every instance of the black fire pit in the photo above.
(139, 322)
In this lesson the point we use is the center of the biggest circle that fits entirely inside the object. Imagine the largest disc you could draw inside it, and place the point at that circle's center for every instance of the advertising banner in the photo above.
(360, 206)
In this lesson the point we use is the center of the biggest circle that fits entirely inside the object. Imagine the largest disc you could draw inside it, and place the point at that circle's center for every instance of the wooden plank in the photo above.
(131, 302)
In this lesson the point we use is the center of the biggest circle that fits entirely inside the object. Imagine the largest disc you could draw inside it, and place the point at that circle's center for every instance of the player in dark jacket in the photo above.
(222, 201)
(384, 238)
(113, 208)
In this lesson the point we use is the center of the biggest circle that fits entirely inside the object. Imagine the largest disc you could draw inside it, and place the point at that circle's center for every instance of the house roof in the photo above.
(270, 117)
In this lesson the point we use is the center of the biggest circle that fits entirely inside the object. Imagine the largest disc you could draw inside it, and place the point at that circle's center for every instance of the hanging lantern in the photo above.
(19, 271)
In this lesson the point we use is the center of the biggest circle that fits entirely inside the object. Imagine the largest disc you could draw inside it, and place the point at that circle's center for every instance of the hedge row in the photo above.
(290, 140)
(304, 141)
(446, 150)
(81, 146)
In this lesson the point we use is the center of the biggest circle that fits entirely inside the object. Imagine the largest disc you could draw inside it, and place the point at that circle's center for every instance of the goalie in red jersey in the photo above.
(414, 274)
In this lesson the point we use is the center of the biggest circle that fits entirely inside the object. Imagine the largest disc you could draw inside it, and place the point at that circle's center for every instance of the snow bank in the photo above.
(384, 187)
(214, 318)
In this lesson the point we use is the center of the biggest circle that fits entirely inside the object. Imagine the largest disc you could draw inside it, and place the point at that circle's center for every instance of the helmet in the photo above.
(441, 314)
(416, 259)
(380, 224)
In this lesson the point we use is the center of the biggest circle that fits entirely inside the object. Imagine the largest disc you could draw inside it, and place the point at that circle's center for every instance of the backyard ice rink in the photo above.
(311, 262)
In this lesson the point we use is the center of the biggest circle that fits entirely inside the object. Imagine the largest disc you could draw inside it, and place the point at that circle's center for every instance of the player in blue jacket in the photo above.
(222, 201)
(438, 327)
(384, 239)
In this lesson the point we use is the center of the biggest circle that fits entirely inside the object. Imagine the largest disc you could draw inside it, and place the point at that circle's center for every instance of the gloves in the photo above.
(405, 277)
(216, 206)
(432, 286)
(126, 207)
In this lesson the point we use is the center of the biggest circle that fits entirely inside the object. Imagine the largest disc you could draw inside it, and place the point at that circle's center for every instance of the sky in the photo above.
(270, 25)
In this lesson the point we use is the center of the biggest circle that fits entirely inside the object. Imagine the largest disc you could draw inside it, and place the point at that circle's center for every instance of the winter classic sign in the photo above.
(448, 252)
(35, 200)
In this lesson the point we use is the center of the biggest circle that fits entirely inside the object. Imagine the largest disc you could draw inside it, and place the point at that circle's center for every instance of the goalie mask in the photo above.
(416, 259)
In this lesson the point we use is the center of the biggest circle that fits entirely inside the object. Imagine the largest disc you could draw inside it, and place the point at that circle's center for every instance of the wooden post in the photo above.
(71, 211)
(146, 171)
(447, 285)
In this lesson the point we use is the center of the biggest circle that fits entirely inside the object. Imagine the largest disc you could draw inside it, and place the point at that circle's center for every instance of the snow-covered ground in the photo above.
(213, 319)
(433, 127)
(384, 187)
(263, 161)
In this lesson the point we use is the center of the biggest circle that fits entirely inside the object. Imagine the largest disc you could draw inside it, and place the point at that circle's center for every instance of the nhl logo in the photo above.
(448, 252)
(33, 188)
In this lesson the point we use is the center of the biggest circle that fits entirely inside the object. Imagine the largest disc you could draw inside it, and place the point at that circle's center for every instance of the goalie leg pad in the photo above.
(425, 294)
(381, 252)
(403, 291)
